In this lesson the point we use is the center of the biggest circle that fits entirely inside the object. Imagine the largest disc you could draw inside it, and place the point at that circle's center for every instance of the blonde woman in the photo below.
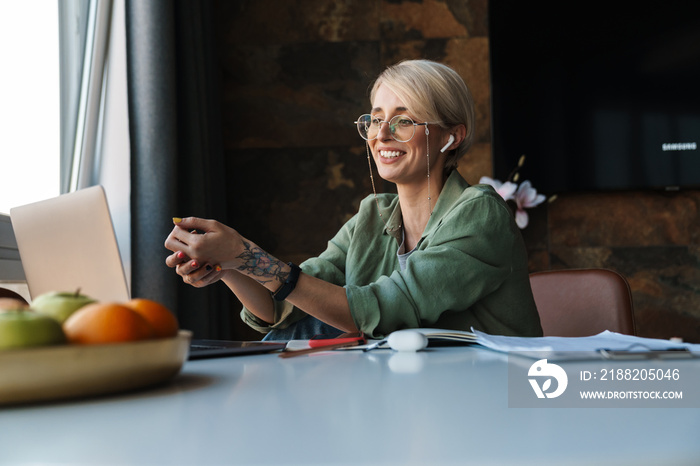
(439, 253)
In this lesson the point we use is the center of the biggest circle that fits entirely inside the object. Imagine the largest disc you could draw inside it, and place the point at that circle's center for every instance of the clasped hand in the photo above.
(203, 250)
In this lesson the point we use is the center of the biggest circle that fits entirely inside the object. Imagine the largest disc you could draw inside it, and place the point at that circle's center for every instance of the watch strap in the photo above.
(289, 284)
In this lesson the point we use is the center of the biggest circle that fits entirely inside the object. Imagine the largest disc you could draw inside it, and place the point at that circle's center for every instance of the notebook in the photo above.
(68, 243)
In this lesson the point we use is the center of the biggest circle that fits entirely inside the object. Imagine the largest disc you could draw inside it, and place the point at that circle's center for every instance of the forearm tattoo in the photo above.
(262, 266)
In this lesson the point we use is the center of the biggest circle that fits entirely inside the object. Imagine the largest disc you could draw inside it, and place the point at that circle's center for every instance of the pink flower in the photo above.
(526, 197)
(505, 190)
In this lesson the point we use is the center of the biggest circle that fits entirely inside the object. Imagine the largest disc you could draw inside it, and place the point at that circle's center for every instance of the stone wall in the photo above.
(296, 74)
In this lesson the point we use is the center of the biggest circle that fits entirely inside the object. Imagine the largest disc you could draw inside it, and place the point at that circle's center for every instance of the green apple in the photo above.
(23, 328)
(60, 305)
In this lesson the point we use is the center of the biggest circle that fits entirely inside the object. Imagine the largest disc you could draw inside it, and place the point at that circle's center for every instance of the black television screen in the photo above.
(599, 95)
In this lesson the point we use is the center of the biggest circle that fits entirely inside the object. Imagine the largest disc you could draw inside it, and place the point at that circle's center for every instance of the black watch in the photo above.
(289, 284)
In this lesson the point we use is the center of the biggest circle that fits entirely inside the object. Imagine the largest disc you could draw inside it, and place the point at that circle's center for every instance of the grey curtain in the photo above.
(177, 160)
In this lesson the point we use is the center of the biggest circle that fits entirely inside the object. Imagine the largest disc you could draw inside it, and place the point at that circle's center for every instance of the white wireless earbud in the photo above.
(449, 143)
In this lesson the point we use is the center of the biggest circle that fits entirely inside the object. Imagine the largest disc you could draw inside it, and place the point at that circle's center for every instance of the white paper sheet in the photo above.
(604, 340)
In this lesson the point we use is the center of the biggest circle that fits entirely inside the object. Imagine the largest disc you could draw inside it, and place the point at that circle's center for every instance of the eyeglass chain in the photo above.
(374, 190)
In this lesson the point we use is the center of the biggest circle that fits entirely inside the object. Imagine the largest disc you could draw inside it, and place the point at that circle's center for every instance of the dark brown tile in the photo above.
(396, 51)
(300, 200)
(538, 260)
(476, 163)
(470, 58)
(265, 22)
(625, 219)
(429, 19)
(306, 95)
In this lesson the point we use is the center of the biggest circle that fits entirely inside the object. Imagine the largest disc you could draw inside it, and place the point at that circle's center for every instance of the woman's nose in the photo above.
(384, 131)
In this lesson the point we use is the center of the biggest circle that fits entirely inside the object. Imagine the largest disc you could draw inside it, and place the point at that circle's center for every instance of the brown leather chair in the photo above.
(583, 302)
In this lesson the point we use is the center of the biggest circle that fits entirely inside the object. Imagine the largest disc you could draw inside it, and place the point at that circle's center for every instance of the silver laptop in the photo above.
(68, 243)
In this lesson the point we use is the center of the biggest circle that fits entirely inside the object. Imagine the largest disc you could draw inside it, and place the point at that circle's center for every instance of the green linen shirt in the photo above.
(469, 269)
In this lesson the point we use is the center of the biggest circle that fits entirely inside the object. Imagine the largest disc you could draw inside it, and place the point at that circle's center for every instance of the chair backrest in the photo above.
(583, 302)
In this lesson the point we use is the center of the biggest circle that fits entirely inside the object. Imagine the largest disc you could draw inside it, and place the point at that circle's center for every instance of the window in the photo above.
(38, 155)
(29, 92)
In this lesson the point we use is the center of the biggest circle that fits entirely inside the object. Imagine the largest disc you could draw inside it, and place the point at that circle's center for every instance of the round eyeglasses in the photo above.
(401, 127)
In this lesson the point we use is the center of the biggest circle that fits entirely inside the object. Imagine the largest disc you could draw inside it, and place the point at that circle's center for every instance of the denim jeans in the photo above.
(303, 329)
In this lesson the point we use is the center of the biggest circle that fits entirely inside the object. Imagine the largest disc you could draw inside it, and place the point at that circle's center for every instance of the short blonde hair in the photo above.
(433, 92)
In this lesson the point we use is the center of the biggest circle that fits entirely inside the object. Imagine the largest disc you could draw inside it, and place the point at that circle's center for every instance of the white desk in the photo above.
(342, 408)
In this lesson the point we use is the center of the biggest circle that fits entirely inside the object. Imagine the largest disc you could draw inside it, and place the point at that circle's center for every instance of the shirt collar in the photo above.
(451, 191)
(392, 212)
(450, 194)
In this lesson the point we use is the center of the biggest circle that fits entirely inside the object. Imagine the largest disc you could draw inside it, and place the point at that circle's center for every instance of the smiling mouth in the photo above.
(390, 154)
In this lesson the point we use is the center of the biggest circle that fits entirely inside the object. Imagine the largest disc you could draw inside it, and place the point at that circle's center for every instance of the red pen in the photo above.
(344, 339)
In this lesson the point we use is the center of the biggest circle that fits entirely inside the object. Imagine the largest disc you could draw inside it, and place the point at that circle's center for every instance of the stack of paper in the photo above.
(606, 340)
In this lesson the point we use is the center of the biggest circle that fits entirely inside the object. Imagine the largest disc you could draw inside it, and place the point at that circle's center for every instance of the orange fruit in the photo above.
(106, 323)
(161, 319)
